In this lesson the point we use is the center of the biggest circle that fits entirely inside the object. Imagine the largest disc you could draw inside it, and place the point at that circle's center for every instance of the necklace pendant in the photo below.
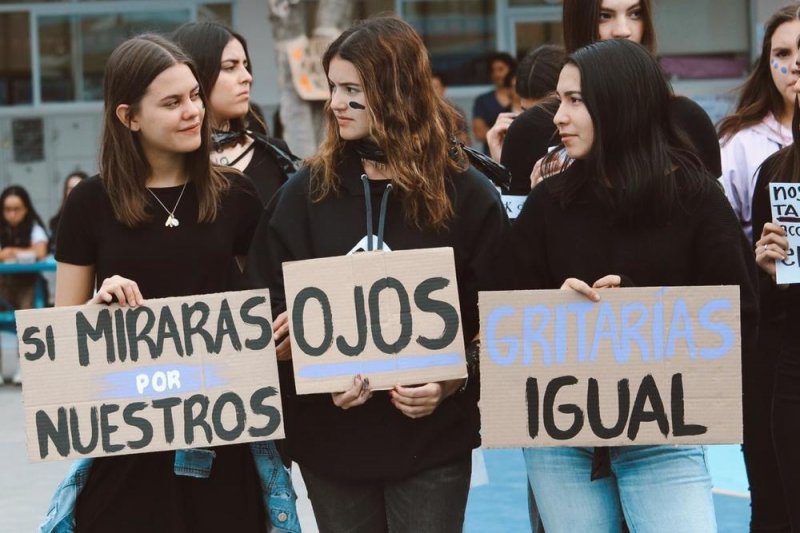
(172, 222)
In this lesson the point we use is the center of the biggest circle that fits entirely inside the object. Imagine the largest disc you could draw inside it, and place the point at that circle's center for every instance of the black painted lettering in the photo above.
(679, 426)
(447, 312)
(375, 315)
(226, 328)
(262, 341)
(648, 390)
(29, 338)
(144, 425)
(216, 416)
(193, 420)
(361, 326)
(168, 329)
(593, 409)
(259, 407)
(75, 431)
(58, 434)
(51, 343)
(189, 330)
(107, 428)
(532, 400)
(119, 323)
(548, 404)
(102, 330)
(298, 324)
(166, 404)
(135, 336)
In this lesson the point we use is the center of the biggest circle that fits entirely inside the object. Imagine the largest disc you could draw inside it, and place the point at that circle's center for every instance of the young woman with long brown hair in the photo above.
(160, 220)
(396, 460)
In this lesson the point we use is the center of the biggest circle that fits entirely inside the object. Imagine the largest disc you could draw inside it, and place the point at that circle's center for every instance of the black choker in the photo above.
(369, 151)
(220, 139)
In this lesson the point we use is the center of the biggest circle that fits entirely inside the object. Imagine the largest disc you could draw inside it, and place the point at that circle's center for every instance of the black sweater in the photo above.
(773, 300)
(701, 244)
(533, 132)
(375, 440)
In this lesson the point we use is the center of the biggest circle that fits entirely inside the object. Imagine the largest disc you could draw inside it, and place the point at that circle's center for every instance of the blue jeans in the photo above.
(431, 501)
(653, 489)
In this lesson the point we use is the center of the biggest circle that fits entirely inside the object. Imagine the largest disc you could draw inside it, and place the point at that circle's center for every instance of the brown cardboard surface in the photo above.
(624, 326)
(337, 279)
(228, 383)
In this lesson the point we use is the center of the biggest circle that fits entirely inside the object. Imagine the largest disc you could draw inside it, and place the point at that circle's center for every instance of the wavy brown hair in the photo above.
(758, 95)
(124, 168)
(412, 124)
(581, 23)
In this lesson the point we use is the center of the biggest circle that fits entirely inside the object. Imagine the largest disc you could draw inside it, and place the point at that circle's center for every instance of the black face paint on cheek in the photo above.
(356, 105)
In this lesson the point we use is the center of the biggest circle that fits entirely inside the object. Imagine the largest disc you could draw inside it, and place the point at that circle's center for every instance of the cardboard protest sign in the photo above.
(305, 63)
(642, 366)
(176, 373)
(513, 205)
(785, 202)
(393, 317)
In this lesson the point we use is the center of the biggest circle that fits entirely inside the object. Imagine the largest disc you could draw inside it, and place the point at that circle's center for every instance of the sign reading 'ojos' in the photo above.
(392, 317)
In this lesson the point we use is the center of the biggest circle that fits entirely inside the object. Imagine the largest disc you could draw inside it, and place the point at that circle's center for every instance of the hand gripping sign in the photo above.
(175, 373)
(642, 366)
(390, 316)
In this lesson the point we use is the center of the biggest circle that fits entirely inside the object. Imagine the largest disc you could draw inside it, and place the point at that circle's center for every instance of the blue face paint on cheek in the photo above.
(784, 70)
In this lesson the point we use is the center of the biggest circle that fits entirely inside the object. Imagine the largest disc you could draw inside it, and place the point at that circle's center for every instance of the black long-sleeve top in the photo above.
(375, 440)
(700, 244)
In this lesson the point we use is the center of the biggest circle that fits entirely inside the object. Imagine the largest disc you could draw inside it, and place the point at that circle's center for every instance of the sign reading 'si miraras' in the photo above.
(393, 317)
(176, 373)
(642, 366)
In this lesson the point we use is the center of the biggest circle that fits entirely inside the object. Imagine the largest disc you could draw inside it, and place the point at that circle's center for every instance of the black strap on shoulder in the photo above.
(287, 161)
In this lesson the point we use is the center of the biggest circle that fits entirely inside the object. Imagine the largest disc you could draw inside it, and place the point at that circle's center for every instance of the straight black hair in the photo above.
(204, 43)
(639, 161)
(581, 22)
(19, 235)
(537, 73)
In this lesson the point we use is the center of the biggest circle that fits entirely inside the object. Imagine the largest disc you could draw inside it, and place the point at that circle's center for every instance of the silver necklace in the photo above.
(171, 222)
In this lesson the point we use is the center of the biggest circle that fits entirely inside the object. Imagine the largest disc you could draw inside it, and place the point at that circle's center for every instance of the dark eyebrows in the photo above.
(166, 99)
(573, 93)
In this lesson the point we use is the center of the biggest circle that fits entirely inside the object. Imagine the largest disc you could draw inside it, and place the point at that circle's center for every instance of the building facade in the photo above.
(52, 56)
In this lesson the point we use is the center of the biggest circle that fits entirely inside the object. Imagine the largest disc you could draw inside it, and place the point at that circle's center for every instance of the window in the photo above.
(459, 34)
(65, 59)
(16, 77)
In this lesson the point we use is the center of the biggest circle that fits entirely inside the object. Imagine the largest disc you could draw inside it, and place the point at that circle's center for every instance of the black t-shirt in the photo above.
(140, 492)
(533, 132)
(264, 172)
(193, 258)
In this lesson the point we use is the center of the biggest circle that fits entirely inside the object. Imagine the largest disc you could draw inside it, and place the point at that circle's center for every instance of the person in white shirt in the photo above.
(761, 124)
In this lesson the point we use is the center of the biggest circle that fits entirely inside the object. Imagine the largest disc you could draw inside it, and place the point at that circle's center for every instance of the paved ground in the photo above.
(25, 488)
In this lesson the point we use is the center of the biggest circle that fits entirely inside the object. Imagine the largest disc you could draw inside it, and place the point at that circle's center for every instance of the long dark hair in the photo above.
(124, 168)
(411, 123)
(19, 235)
(204, 42)
(581, 22)
(758, 95)
(537, 73)
(637, 149)
(81, 175)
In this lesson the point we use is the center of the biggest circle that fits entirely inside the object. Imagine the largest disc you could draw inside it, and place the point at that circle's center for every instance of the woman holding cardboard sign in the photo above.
(157, 210)
(772, 244)
(631, 190)
(399, 459)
